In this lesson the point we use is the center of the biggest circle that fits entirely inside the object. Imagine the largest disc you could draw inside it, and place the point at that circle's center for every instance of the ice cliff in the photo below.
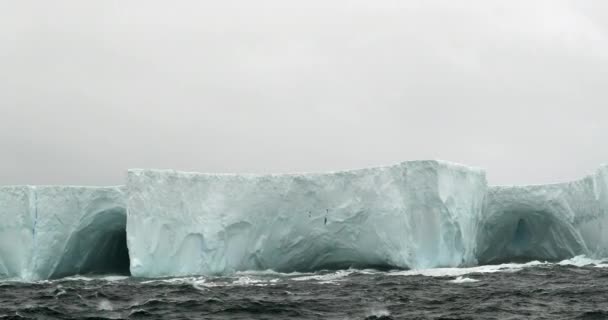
(415, 214)
(418, 214)
(546, 222)
(50, 232)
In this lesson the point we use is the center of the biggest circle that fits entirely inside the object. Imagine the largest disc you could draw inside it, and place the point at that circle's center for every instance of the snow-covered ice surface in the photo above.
(417, 214)
(49, 232)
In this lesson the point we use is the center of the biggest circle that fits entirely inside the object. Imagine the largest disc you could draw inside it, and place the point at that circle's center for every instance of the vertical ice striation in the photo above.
(51, 231)
(415, 214)
(16, 230)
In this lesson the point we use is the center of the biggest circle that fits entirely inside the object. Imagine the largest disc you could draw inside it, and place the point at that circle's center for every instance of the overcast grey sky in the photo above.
(91, 88)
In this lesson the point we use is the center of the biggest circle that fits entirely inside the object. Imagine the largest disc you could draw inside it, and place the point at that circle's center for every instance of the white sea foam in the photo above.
(582, 261)
(378, 311)
(270, 272)
(327, 277)
(93, 278)
(105, 305)
(453, 272)
(270, 277)
(463, 280)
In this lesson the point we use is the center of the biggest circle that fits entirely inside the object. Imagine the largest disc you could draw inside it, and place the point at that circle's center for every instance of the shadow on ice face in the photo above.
(99, 246)
(523, 234)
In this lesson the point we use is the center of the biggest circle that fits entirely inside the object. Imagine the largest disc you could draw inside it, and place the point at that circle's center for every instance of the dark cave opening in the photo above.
(110, 255)
(521, 236)
(99, 247)
(526, 235)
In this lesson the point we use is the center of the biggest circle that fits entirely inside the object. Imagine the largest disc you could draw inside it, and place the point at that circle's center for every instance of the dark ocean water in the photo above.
(511, 291)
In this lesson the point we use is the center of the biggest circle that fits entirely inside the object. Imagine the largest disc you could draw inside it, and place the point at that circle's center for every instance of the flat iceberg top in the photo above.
(65, 187)
(412, 163)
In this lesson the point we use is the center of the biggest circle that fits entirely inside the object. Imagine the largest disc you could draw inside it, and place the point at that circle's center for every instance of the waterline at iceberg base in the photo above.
(417, 214)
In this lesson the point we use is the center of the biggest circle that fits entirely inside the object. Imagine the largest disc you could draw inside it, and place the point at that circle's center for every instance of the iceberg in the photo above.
(416, 214)
(49, 231)
(412, 215)
(546, 222)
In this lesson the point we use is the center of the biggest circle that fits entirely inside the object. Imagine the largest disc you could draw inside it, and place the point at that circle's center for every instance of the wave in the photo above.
(270, 277)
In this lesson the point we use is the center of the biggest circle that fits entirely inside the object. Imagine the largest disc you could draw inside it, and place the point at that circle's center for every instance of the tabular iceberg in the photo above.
(418, 214)
(50, 232)
(415, 214)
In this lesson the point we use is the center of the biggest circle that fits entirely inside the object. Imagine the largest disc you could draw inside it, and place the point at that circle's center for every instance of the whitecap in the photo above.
(270, 272)
(377, 311)
(463, 280)
(454, 272)
(110, 278)
(326, 277)
(582, 261)
(105, 305)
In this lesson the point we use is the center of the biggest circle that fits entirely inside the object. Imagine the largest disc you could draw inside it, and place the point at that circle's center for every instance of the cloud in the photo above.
(89, 89)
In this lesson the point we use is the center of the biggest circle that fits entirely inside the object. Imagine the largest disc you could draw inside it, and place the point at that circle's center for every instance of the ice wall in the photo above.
(16, 230)
(418, 214)
(49, 232)
(415, 214)
(546, 222)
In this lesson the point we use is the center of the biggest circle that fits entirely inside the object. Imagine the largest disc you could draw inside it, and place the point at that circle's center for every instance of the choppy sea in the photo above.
(571, 289)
